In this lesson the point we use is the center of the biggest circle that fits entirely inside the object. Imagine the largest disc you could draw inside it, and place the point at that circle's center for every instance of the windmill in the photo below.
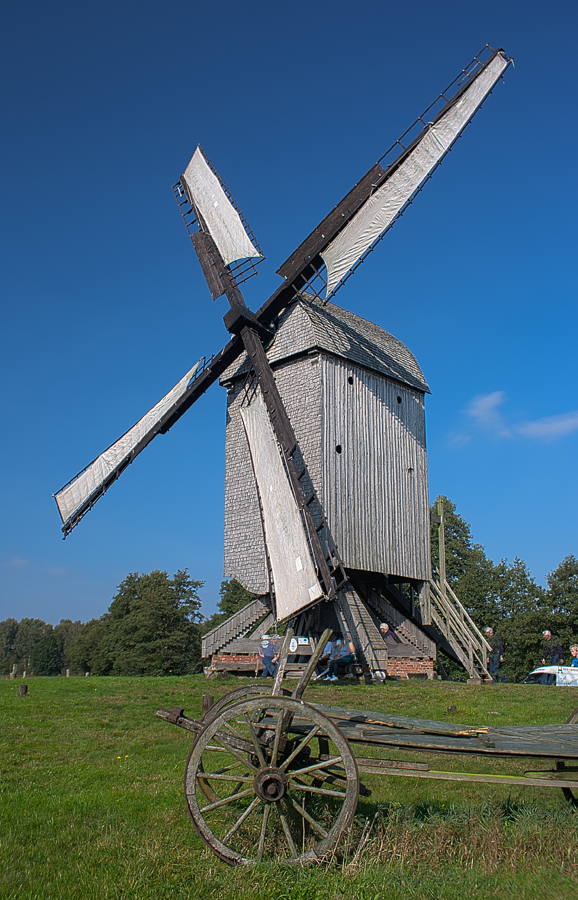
(327, 513)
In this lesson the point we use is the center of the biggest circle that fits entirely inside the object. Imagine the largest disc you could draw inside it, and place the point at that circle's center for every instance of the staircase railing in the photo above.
(401, 623)
(452, 620)
(235, 626)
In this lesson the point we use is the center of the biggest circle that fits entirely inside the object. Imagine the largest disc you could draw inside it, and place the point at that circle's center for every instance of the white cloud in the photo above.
(550, 427)
(460, 438)
(56, 571)
(16, 562)
(485, 413)
(483, 409)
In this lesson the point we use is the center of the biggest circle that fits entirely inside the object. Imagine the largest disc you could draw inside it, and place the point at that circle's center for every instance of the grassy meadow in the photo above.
(92, 808)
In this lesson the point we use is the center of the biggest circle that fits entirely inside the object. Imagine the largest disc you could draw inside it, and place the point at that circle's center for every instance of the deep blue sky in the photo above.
(105, 308)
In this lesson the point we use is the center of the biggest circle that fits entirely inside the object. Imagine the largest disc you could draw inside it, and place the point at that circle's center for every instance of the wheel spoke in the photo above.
(314, 768)
(233, 731)
(297, 786)
(288, 835)
(300, 747)
(241, 819)
(222, 769)
(256, 744)
(302, 812)
(216, 776)
(261, 846)
(227, 800)
(235, 752)
(279, 729)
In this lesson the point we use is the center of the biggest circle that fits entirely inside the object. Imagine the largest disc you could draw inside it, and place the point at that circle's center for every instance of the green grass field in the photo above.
(92, 806)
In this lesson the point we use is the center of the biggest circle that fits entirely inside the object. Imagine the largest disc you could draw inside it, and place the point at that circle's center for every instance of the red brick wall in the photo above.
(235, 661)
(408, 668)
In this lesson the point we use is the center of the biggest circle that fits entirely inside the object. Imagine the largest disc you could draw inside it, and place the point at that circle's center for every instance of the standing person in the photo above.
(574, 652)
(496, 656)
(269, 654)
(343, 654)
(551, 656)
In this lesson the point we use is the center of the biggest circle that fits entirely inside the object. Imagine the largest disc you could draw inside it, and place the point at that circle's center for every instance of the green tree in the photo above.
(86, 654)
(8, 631)
(522, 609)
(151, 627)
(502, 595)
(468, 570)
(29, 632)
(45, 657)
(65, 634)
(563, 590)
(233, 598)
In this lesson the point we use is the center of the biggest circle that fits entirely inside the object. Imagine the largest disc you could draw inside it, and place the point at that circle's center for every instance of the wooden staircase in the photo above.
(450, 628)
(453, 621)
(236, 626)
(401, 624)
(360, 608)
(356, 621)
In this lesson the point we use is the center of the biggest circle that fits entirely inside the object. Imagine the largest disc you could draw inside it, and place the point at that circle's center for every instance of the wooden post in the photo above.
(282, 662)
(207, 702)
(425, 602)
(22, 690)
(442, 545)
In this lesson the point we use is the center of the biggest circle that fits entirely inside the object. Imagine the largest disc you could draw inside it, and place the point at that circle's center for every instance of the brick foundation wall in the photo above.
(249, 658)
(236, 662)
(410, 668)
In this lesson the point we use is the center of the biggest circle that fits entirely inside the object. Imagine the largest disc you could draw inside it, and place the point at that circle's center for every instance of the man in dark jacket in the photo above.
(496, 655)
(551, 656)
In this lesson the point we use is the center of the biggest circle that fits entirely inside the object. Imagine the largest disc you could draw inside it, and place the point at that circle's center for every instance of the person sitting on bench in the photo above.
(343, 654)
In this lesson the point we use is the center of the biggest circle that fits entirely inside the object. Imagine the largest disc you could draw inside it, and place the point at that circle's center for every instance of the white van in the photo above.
(565, 675)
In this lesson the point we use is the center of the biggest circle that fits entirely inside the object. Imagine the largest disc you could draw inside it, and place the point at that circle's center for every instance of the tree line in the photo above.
(154, 623)
(506, 597)
(153, 626)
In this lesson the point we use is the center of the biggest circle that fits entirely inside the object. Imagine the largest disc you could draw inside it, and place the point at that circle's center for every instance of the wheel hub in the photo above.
(270, 784)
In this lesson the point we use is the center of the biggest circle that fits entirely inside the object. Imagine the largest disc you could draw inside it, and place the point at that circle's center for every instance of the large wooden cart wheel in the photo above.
(560, 766)
(258, 788)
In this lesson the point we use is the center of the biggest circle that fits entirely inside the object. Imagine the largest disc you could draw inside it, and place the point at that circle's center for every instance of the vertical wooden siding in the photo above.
(375, 491)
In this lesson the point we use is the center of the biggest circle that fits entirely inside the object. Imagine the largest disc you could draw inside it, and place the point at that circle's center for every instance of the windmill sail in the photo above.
(219, 216)
(379, 211)
(296, 584)
(80, 494)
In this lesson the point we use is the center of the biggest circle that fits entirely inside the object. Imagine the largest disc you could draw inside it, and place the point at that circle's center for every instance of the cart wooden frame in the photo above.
(270, 777)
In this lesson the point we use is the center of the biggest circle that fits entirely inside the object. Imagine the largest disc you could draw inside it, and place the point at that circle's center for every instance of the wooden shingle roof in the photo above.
(309, 325)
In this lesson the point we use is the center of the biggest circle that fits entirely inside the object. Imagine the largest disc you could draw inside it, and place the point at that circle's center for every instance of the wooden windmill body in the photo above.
(327, 512)
(355, 397)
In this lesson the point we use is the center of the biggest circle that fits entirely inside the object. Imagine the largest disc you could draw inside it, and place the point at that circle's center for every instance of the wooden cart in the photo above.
(270, 777)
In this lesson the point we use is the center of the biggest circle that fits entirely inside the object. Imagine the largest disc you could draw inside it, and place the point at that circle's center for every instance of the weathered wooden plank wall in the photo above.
(374, 484)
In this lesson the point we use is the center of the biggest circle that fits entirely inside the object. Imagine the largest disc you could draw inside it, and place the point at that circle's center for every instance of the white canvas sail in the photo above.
(74, 494)
(296, 583)
(220, 216)
(380, 210)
